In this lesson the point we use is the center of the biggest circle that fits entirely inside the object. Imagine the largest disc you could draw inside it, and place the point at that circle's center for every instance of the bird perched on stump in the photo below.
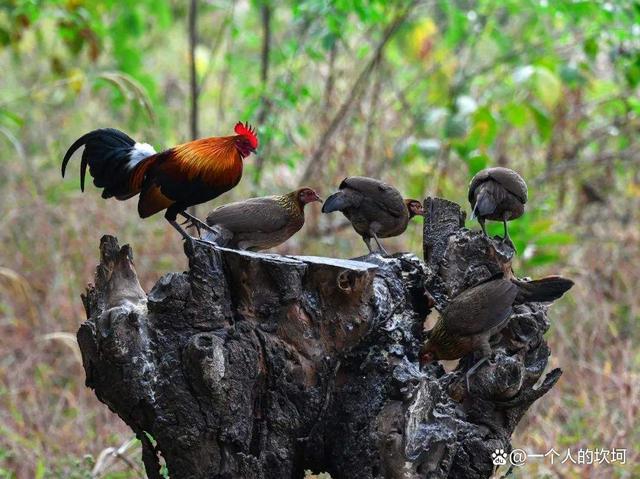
(262, 223)
(174, 179)
(476, 314)
(497, 194)
(374, 208)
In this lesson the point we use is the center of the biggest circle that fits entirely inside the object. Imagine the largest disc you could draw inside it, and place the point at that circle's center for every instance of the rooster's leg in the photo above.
(170, 216)
(485, 352)
(197, 223)
(187, 236)
(181, 230)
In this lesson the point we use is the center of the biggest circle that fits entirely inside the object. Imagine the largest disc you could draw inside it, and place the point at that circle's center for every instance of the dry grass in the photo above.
(49, 421)
(594, 339)
(51, 425)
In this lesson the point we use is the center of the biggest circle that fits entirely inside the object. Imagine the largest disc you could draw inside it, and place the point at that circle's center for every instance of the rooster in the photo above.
(172, 180)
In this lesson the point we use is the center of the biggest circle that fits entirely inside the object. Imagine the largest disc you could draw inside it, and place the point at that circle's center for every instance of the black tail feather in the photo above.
(542, 290)
(335, 202)
(107, 153)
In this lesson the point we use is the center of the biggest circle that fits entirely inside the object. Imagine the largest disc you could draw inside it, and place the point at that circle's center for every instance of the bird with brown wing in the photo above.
(374, 208)
(478, 313)
(174, 179)
(497, 194)
(261, 223)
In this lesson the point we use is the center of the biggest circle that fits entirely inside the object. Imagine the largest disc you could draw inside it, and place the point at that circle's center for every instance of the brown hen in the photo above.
(261, 223)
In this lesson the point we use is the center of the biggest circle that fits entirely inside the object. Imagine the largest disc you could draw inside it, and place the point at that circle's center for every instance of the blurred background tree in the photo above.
(422, 94)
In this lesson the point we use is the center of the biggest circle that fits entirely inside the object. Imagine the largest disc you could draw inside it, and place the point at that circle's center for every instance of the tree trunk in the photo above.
(261, 366)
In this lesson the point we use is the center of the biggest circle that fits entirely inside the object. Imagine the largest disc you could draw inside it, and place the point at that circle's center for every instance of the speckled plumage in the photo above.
(260, 223)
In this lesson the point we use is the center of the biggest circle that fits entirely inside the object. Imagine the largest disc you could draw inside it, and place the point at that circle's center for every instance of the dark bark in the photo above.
(260, 366)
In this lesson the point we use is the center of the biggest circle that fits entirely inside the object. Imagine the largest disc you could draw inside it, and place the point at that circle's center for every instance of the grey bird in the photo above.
(478, 313)
(261, 223)
(497, 194)
(374, 208)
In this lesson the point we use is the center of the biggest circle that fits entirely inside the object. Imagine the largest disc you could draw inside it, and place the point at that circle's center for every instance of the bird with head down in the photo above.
(497, 194)
(374, 208)
(478, 313)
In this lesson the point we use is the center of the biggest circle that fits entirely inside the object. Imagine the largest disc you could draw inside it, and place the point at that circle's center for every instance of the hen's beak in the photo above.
(317, 198)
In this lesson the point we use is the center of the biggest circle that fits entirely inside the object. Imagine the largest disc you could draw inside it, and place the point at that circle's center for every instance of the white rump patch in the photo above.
(139, 152)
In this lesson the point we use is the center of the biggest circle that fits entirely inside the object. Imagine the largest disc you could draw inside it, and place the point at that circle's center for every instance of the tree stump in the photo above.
(261, 366)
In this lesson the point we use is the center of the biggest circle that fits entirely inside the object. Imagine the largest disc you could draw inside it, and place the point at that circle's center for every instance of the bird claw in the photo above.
(507, 241)
(193, 222)
(472, 371)
(189, 223)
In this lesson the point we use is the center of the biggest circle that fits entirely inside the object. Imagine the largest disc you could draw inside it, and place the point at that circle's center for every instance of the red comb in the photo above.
(244, 129)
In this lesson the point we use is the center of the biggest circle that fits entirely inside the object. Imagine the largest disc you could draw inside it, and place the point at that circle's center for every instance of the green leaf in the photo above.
(516, 113)
(572, 76)
(555, 239)
(543, 122)
(41, 470)
(12, 117)
(455, 127)
(477, 163)
(484, 128)
(590, 47)
(542, 258)
(632, 73)
(547, 86)
(457, 27)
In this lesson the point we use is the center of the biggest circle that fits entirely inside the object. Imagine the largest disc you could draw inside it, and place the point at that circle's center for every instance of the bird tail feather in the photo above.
(485, 205)
(335, 202)
(542, 290)
(113, 158)
(474, 213)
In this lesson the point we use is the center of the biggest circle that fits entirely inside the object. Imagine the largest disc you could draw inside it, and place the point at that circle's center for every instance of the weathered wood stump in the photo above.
(261, 366)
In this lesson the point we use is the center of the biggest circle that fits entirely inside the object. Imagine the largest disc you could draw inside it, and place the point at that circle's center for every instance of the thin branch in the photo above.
(224, 72)
(372, 116)
(194, 91)
(266, 13)
(193, 81)
(227, 21)
(356, 92)
(629, 155)
(330, 82)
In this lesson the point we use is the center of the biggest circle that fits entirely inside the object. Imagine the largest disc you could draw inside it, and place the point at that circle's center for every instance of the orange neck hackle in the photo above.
(216, 157)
